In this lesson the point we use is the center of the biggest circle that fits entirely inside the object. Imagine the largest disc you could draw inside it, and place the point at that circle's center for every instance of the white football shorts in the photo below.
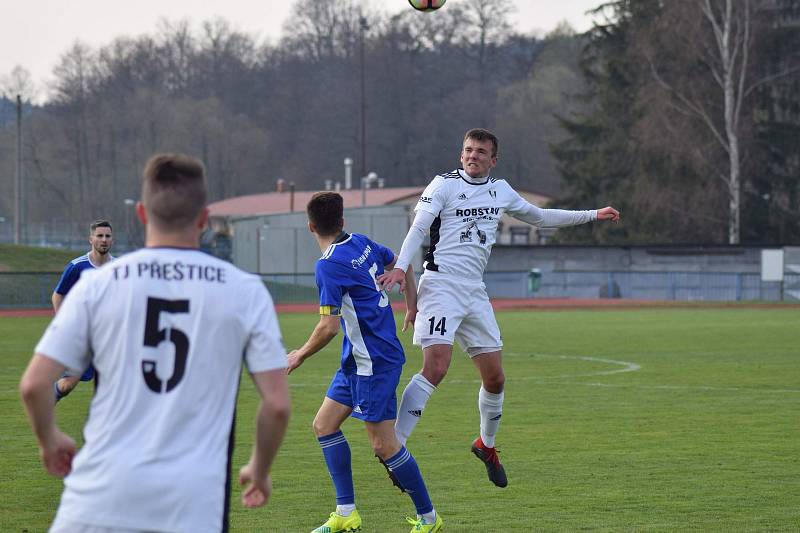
(450, 308)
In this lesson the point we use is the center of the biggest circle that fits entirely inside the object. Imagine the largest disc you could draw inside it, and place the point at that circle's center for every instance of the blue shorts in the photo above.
(372, 398)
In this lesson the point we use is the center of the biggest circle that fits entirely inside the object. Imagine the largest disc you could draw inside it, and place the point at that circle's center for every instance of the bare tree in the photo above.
(178, 46)
(722, 37)
(325, 29)
(527, 121)
(18, 82)
(75, 78)
(491, 19)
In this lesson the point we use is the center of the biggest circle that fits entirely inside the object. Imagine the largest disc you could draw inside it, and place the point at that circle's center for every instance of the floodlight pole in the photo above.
(364, 27)
(18, 178)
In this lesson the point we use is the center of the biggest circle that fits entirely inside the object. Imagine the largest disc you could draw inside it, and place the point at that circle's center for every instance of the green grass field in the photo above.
(19, 258)
(646, 420)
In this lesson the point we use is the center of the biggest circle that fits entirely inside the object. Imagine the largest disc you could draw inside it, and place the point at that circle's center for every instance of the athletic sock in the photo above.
(337, 456)
(412, 404)
(405, 468)
(345, 510)
(490, 406)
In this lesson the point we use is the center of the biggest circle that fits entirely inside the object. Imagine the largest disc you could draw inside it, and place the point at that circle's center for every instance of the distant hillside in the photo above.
(15, 258)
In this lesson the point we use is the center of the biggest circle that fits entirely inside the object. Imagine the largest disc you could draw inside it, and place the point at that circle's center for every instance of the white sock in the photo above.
(345, 510)
(415, 396)
(430, 518)
(490, 406)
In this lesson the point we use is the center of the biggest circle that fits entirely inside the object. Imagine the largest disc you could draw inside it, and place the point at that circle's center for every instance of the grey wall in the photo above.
(740, 259)
(282, 244)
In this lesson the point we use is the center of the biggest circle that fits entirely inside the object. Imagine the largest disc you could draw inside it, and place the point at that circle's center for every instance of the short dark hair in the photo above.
(99, 224)
(326, 211)
(480, 134)
(174, 190)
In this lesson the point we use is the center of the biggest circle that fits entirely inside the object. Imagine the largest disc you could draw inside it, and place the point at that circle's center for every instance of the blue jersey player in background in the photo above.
(365, 385)
(101, 238)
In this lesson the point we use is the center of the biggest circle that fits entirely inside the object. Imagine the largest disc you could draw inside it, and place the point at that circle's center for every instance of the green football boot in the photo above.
(421, 526)
(337, 523)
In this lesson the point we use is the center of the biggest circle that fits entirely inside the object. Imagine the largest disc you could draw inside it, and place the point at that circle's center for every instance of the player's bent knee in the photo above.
(436, 362)
(385, 448)
(493, 380)
(323, 427)
(494, 383)
(434, 373)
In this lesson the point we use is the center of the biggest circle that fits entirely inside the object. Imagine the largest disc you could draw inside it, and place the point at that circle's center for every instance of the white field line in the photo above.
(626, 367)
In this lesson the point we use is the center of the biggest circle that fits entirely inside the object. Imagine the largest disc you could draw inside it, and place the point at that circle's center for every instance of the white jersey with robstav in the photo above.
(467, 215)
(167, 330)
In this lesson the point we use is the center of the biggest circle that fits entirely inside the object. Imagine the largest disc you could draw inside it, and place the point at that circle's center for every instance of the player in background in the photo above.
(461, 209)
(167, 328)
(101, 239)
(371, 362)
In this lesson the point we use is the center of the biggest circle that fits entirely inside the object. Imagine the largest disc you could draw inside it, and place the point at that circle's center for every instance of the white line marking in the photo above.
(627, 366)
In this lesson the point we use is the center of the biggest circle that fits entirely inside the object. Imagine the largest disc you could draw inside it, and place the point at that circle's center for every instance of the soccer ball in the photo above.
(426, 5)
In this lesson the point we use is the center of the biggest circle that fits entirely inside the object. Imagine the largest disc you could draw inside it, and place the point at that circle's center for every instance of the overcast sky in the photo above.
(34, 33)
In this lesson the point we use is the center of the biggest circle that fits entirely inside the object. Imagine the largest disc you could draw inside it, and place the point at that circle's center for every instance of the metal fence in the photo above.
(19, 290)
(52, 234)
(680, 286)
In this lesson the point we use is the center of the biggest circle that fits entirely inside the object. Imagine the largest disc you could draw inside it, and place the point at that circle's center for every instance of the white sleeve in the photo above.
(67, 338)
(432, 199)
(525, 211)
(264, 350)
(413, 241)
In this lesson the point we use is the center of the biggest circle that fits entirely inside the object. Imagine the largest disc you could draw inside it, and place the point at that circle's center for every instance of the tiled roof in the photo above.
(280, 202)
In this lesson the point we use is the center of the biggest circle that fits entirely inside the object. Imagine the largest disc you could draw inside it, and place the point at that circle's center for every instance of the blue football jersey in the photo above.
(347, 286)
(72, 273)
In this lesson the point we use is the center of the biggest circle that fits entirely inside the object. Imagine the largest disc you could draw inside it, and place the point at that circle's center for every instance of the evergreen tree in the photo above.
(596, 161)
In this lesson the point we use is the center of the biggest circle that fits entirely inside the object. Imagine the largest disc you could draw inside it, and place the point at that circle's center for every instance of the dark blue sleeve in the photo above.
(68, 278)
(331, 286)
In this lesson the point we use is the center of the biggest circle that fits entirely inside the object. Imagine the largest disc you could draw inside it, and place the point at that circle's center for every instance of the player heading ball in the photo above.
(461, 209)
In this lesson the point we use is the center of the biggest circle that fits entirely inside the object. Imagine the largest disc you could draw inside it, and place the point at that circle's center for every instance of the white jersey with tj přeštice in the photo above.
(467, 214)
(167, 330)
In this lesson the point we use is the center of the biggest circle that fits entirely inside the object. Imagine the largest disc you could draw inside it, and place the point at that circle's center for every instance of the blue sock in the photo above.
(337, 457)
(405, 468)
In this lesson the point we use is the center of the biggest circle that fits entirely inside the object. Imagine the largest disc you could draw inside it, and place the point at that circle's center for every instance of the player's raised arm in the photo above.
(525, 211)
(271, 423)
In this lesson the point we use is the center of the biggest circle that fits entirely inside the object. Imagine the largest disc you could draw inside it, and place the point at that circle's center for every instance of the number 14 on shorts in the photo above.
(438, 326)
